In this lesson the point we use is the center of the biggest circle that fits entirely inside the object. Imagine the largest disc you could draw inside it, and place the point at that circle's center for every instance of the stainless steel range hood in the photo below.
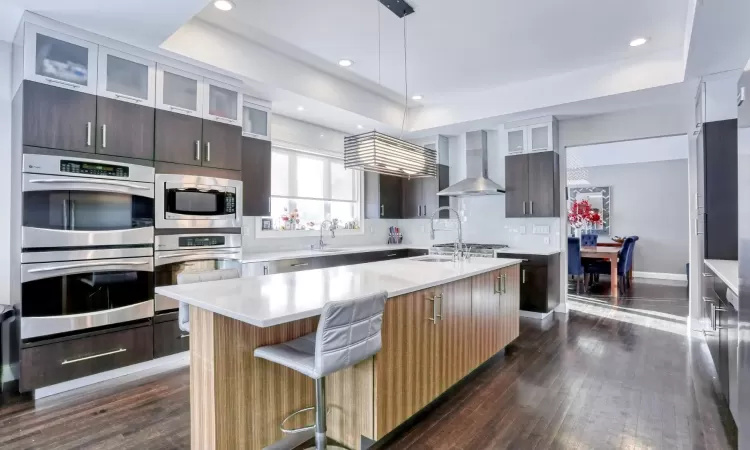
(476, 181)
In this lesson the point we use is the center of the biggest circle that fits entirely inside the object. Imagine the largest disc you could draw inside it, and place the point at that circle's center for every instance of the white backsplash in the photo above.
(375, 232)
(483, 222)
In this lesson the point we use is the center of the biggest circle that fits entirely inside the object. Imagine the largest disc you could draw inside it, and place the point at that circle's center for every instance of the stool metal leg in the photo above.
(320, 413)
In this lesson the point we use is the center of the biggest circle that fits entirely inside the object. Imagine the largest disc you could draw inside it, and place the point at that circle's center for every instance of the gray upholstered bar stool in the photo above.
(348, 333)
(197, 277)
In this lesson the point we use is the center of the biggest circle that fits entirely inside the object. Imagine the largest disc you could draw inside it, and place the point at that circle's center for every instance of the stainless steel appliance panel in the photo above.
(60, 165)
(43, 238)
(32, 272)
(742, 418)
(85, 254)
(32, 327)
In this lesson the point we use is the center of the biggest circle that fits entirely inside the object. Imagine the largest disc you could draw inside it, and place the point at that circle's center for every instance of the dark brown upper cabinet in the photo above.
(124, 129)
(58, 118)
(222, 145)
(420, 197)
(532, 185)
(256, 177)
(184, 139)
(178, 138)
(383, 196)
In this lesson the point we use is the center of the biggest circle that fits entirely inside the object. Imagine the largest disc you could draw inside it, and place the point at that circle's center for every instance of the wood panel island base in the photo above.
(432, 338)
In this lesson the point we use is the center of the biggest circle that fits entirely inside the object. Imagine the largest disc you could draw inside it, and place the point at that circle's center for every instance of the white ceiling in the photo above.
(478, 45)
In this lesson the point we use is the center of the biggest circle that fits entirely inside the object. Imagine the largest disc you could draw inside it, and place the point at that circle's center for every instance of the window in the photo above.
(307, 189)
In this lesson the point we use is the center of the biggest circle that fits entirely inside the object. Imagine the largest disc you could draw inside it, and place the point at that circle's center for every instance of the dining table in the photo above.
(608, 254)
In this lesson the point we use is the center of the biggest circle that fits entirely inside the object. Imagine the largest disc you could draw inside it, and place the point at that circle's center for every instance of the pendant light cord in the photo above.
(406, 84)
(379, 40)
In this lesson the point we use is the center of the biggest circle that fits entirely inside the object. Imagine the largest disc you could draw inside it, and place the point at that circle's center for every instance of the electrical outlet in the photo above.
(421, 228)
(522, 229)
(541, 229)
(247, 231)
(546, 240)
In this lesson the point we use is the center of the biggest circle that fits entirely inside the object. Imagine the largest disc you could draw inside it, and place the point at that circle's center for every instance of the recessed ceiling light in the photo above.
(224, 5)
(359, 127)
(638, 41)
(345, 62)
(322, 135)
(300, 108)
(416, 97)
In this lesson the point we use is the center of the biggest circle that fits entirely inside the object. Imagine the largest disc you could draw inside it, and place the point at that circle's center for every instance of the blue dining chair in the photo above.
(624, 264)
(575, 266)
(589, 240)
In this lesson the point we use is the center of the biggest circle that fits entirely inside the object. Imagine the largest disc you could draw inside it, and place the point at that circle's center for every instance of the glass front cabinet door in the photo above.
(59, 60)
(256, 120)
(126, 77)
(222, 103)
(178, 91)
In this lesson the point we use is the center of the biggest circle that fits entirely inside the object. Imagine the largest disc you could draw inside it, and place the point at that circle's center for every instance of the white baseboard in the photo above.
(145, 368)
(535, 315)
(661, 276)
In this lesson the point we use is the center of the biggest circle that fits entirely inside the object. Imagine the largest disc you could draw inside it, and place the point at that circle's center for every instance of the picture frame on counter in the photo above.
(266, 224)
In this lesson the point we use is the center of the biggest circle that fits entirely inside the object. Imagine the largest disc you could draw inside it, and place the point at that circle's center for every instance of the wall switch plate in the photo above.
(247, 231)
(522, 229)
(421, 228)
(370, 229)
(541, 229)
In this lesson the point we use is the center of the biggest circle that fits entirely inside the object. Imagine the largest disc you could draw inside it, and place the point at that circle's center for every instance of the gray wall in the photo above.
(650, 200)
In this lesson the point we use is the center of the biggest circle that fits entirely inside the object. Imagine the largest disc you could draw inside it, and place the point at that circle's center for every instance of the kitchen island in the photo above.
(442, 320)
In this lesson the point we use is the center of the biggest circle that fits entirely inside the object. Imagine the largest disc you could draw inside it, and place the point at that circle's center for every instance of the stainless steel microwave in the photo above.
(187, 201)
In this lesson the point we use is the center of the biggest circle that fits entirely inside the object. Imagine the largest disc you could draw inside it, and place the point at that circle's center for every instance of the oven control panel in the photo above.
(201, 241)
(87, 168)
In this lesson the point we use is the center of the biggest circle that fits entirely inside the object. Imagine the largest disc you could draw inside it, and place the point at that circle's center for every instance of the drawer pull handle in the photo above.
(113, 352)
(183, 336)
(300, 265)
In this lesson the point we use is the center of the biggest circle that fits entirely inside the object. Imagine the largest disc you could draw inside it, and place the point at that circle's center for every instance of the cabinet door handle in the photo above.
(524, 208)
(382, 210)
(104, 136)
(433, 300)
(85, 358)
(269, 205)
(419, 210)
(198, 150)
(523, 276)
(183, 336)
(208, 152)
(182, 110)
(300, 265)
(88, 134)
(128, 98)
(53, 81)
(498, 289)
(697, 222)
(715, 309)
(531, 207)
(265, 270)
(392, 255)
(505, 283)
(440, 316)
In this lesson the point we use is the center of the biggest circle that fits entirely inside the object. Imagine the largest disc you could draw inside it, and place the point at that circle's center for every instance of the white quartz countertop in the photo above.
(270, 300)
(544, 251)
(727, 271)
(249, 257)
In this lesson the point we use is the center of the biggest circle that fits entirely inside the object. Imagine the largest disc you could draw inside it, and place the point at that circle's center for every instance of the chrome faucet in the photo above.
(331, 228)
(458, 248)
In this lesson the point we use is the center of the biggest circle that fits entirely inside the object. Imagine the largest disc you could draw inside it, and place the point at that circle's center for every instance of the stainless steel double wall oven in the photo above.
(87, 244)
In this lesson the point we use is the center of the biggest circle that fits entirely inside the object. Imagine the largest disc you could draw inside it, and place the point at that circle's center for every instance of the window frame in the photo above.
(358, 202)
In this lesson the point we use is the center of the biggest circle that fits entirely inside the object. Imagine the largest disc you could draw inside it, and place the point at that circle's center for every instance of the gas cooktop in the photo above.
(483, 250)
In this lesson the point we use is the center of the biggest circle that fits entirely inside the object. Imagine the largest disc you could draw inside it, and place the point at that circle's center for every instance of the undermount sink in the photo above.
(432, 259)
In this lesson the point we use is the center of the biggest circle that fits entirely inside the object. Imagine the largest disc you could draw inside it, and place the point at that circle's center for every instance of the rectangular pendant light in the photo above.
(380, 153)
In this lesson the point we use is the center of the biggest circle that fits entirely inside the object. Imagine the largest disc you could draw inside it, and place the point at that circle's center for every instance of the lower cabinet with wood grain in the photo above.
(63, 359)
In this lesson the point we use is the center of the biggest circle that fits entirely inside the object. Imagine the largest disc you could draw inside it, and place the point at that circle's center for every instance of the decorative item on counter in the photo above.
(266, 224)
(395, 236)
(582, 217)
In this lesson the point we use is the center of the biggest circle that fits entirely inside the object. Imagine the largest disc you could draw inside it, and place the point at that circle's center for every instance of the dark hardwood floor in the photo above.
(607, 377)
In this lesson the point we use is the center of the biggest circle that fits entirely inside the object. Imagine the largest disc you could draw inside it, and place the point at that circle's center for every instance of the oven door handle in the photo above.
(91, 181)
(236, 254)
(99, 266)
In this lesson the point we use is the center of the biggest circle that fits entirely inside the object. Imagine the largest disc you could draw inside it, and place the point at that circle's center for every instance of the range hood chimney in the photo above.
(476, 181)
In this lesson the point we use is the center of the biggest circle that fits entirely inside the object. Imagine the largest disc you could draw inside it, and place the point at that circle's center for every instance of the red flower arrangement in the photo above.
(581, 214)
